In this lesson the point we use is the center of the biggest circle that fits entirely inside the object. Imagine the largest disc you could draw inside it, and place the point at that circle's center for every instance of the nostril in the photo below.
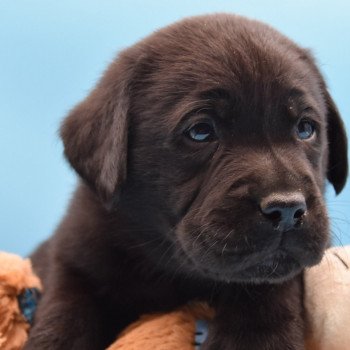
(299, 213)
(274, 215)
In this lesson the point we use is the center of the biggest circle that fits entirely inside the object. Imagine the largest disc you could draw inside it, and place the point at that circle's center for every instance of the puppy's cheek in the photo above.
(205, 251)
(188, 237)
(315, 233)
(190, 242)
(318, 235)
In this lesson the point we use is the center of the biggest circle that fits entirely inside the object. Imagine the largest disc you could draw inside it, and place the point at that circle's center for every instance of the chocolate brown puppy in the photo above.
(203, 154)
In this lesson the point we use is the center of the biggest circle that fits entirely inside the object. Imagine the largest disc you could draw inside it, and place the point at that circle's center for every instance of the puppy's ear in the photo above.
(337, 171)
(94, 133)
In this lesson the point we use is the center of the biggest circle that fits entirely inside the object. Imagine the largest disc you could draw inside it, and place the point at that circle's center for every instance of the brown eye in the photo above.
(305, 129)
(201, 132)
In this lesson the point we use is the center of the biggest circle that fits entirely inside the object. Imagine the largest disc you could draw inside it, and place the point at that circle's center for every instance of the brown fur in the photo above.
(159, 220)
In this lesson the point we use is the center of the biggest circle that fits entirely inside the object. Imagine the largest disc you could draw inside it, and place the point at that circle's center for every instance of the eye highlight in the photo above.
(201, 132)
(305, 129)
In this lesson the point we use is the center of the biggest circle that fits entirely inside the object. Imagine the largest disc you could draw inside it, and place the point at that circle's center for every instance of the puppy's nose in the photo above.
(285, 210)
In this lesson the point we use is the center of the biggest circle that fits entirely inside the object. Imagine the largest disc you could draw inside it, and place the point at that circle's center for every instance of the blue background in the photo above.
(52, 53)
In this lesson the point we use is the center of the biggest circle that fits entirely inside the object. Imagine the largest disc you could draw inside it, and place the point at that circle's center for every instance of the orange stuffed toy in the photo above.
(327, 302)
(16, 280)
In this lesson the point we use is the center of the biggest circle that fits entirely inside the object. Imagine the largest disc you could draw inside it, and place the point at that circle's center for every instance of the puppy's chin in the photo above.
(273, 264)
(277, 267)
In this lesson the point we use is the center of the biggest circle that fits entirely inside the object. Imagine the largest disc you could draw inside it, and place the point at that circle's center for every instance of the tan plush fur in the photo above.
(327, 288)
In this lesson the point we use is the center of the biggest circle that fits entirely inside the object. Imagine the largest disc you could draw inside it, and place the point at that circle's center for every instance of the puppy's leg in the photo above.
(262, 317)
(68, 317)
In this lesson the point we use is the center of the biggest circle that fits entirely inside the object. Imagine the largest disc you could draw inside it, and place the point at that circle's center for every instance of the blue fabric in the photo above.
(28, 302)
(201, 333)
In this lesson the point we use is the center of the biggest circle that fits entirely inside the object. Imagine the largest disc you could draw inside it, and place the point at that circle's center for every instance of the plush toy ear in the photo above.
(95, 133)
(337, 171)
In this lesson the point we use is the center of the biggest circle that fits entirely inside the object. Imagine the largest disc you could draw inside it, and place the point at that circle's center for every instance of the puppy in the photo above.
(203, 154)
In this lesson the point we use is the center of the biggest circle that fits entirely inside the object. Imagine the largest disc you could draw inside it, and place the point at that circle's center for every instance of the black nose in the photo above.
(285, 210)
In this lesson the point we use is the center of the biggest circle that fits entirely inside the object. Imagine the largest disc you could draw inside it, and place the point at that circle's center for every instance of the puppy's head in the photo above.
(218, 134)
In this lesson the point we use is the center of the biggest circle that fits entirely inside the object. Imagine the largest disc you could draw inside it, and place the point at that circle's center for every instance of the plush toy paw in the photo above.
(179, 329)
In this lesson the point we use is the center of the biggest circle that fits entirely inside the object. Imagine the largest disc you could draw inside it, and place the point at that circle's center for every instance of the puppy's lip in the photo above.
(239, 253)
(273, 267)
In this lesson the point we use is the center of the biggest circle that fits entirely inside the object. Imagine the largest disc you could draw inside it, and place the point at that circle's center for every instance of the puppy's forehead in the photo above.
(248, 59)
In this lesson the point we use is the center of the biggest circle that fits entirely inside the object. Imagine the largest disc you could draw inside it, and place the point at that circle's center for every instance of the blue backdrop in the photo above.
(52, 53)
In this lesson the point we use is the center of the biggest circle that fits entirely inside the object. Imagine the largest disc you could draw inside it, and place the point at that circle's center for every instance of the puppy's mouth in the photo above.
(275, 262)
(275, 267)
(253, 254)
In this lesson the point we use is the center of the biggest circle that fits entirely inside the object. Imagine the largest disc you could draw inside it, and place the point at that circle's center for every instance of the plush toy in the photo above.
(327, 302)
(19, 288)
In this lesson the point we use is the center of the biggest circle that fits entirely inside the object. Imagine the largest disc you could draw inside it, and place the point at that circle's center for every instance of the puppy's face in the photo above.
(219, 134)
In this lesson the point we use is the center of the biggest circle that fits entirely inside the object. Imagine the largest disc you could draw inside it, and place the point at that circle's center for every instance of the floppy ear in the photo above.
(94, 133)
(337, 171)
(337, 168)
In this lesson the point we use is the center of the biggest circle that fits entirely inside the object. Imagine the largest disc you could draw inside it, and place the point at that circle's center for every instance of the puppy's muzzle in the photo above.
(285, 211)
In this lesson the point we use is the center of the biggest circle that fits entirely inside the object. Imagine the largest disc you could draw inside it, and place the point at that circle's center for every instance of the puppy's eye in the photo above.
(305, 129)
(201, 132)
